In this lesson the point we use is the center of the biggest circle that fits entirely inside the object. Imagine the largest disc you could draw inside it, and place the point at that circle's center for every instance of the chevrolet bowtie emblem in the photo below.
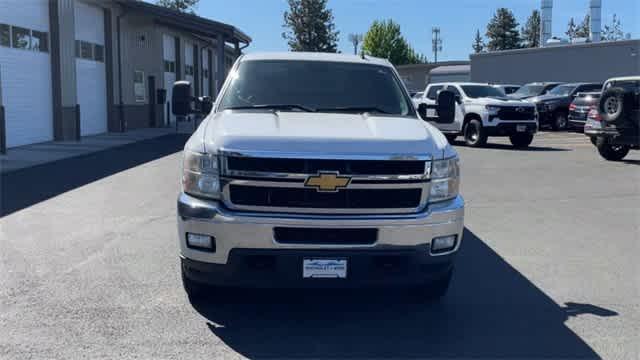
(327, 182)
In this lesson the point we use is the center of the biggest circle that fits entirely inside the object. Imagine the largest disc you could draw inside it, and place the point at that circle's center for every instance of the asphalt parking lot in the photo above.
(548, 267)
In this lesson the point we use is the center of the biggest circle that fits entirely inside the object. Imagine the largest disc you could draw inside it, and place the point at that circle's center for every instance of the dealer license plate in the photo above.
(324, 268)
(521, 128)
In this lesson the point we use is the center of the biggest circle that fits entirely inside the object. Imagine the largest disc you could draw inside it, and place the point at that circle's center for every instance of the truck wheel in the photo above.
(435, 290)
(612, 152)
(451, 138)
(521, 140)
(195, 290)
(474, 134)
(559, 121)
(614, 104)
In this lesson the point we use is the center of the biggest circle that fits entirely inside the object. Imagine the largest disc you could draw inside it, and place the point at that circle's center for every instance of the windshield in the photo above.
(562, 90)
(478, 91)
(315, 86)
(529, 90)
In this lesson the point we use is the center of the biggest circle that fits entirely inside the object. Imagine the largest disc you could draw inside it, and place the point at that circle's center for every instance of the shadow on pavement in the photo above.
(511, 148)
(23, 188)
(491, 311)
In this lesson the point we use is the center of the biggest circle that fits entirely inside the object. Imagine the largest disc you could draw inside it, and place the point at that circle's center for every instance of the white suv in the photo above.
(482, 111)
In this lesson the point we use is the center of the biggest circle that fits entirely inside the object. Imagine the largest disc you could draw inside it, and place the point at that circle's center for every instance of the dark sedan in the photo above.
(580, 107)
(553, 107)
(533, 89)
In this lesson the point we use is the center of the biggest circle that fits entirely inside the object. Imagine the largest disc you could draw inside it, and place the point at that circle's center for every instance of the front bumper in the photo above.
(244, 241)
(511, 128)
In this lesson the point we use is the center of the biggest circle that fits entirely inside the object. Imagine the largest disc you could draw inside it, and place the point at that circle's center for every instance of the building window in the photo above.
(139, 90)
(169, 66)
(21, 38)
(39, 41)
(86, 50)
(188, 70)
(98, 53)
(5, 35)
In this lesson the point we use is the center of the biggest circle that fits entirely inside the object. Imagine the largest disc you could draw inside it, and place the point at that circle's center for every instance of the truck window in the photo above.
(479, 91)
(433, 92)
(589, 88)
(329, 86)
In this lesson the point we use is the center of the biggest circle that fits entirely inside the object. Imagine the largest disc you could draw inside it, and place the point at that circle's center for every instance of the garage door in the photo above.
(90, 68)
(25, 71)
(169, 56)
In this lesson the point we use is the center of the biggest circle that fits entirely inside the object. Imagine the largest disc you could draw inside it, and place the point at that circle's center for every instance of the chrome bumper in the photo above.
(240, 230)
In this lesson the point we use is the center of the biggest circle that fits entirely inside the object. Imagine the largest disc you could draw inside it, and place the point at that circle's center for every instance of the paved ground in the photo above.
(548, 268)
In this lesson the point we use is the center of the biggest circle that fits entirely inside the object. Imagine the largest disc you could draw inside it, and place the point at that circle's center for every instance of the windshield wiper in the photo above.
(274, 107)
(356, 109)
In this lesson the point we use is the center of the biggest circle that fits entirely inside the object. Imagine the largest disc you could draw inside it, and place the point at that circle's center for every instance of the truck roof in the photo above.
(625, 78)
(459, 83)
(315, 56)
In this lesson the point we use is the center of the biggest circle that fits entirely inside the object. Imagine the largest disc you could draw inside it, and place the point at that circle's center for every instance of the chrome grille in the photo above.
(277, 184)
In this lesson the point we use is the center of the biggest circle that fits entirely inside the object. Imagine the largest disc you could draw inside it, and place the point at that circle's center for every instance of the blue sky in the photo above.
(458, 19)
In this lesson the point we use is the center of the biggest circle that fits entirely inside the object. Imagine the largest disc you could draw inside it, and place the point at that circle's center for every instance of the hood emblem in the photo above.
(327, 181)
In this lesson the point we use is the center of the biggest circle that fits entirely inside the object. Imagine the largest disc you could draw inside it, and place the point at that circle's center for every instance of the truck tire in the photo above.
(451, 138)
(560, 121)
(615, 105)
(195, 290)
(521, 141)
(435, 290)
(612, 152)
(474, 134)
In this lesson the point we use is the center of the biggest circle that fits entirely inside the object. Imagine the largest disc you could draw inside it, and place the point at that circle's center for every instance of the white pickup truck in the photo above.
(482, 111)
(314, 170)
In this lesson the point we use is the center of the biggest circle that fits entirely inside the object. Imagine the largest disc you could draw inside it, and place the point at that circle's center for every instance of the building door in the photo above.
(91, 76)
(25, 67)
(169, 54)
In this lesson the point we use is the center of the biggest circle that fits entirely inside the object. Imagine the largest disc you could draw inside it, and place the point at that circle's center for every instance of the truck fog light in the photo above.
(201, 242)
(443, 244)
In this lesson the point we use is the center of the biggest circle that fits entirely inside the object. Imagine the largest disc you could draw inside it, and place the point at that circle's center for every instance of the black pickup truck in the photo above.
(553, 107)
(614, 126)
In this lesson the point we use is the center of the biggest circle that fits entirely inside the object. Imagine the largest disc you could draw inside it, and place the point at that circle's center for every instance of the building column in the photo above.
(220, 64)
(63, 70)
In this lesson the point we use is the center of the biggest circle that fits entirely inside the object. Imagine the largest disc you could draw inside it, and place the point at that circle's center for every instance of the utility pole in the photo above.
(355, 39)
(436, 42)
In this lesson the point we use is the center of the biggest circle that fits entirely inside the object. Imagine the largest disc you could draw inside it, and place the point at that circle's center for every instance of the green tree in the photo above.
(583, 31)
(614, 31)
(310, 26)
(478, 43)
(179, 5)
(384, 40)
(502, 31)
(531, 31)
(571, 29)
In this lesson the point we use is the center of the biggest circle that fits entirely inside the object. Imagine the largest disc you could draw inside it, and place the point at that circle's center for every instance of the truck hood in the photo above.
(327, 134)
(499, 101)
(543, 98)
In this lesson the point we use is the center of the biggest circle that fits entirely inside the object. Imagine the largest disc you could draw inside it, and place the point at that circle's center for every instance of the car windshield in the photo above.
(479, 91)
(529, 90)
(562, 90)
(315, 86)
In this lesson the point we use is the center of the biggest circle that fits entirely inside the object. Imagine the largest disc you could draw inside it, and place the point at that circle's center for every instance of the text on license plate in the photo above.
(521, 128)
(324, 268)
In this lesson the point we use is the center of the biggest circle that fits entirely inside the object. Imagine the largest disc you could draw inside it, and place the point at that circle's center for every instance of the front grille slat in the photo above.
(309, 198)
(511, 113)
(311, 166)
(287, 235)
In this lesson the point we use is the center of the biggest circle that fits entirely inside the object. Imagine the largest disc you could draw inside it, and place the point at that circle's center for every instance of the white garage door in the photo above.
(25, 71)
(90, 68)
(169, 56)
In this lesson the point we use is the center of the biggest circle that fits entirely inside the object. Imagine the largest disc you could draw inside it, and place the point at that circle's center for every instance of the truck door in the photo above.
(456, 125)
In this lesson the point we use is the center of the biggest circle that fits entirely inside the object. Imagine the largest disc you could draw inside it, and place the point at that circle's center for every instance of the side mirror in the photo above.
(422, 111)
(446, 107)
(206, 104)
(181, 98)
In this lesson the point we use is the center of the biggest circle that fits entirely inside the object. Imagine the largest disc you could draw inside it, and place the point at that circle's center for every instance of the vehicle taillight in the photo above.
(572, 107)
(594, 114)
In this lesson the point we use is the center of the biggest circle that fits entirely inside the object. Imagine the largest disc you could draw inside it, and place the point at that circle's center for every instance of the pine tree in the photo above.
(583, 30)
(478, 43)
(502, 31)
(571, 29)
(614, 31)
(310, 26)
(531, 31)
(179, 5)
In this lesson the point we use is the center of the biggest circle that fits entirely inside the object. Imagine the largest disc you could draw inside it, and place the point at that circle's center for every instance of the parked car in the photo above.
(415, 98)
(507, 89)
(482, 111)
(314, 170)
(553, 107)
(614, 126)
(580, 107)
(533, 89)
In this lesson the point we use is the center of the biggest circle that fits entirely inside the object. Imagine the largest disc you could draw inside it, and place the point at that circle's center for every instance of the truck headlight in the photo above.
(445, 179)
(200, 175)
(492, 110)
